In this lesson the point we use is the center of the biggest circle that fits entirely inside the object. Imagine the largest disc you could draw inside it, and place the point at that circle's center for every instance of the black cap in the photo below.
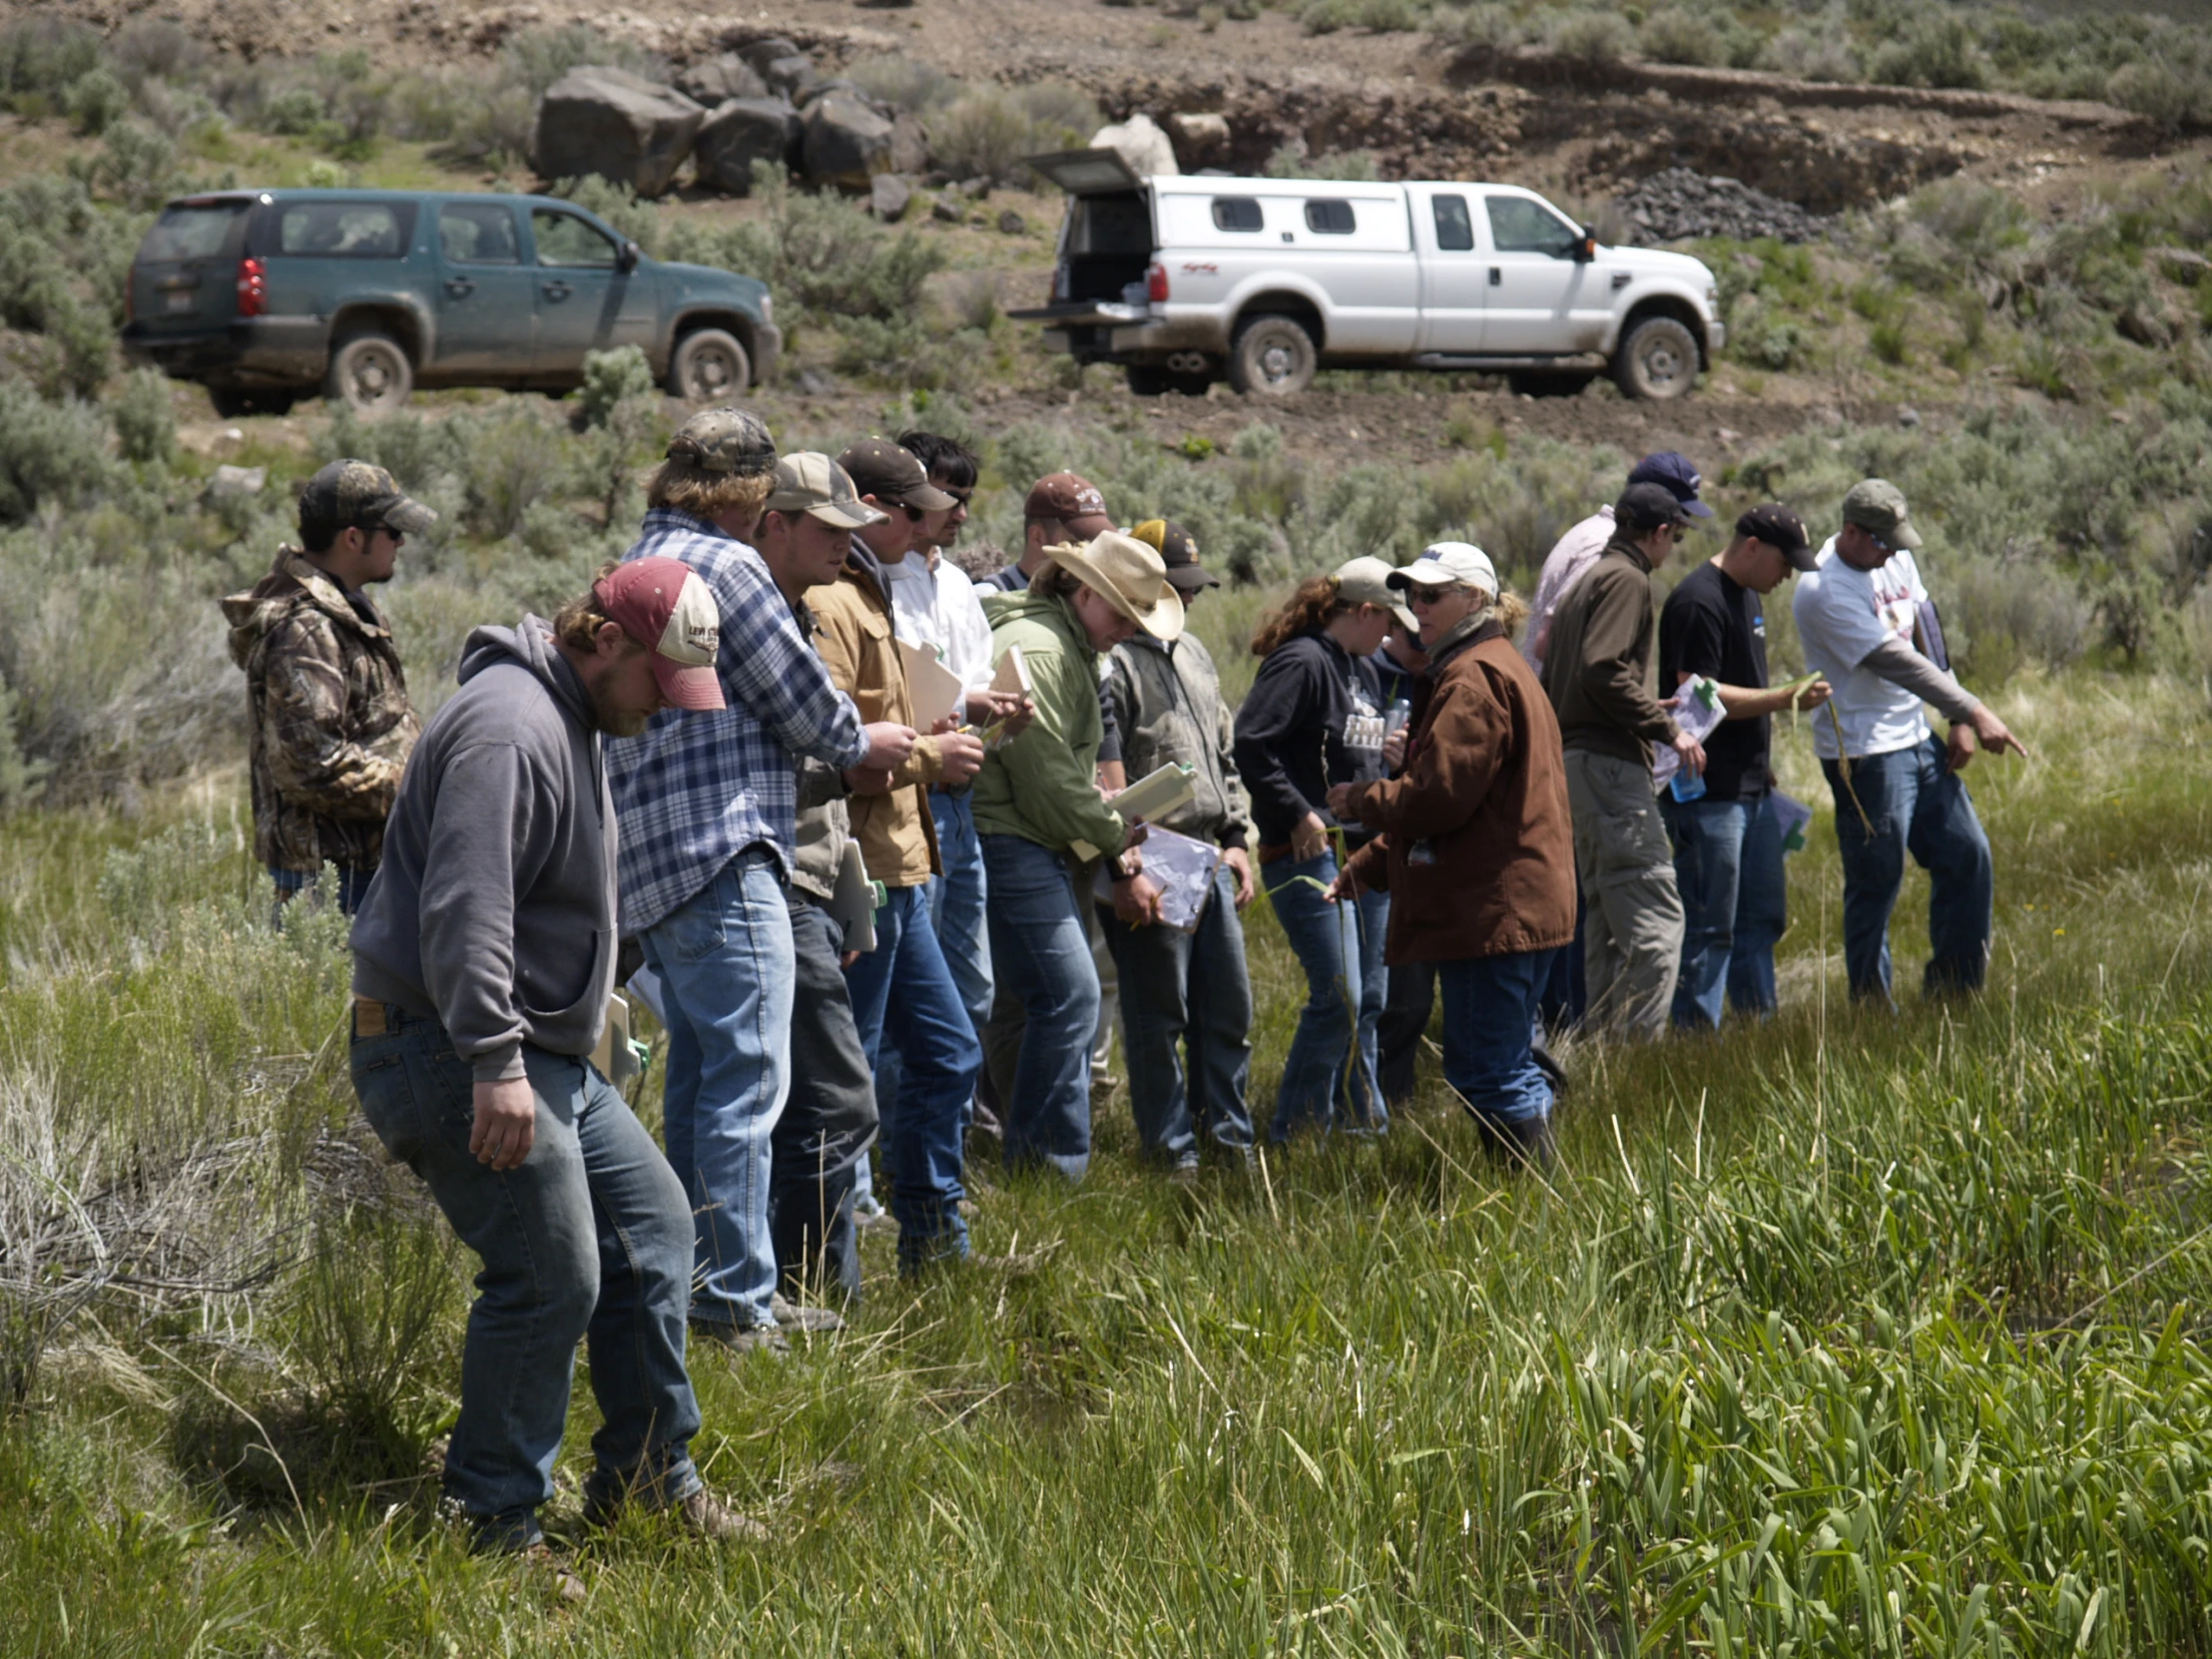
(1779, 529)
(1643, 508)
(1178, 550)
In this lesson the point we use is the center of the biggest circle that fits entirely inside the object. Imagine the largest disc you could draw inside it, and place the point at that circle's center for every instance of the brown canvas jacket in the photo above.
(852, 616)
(1476, 850)
(331, 726)
(1598, 662)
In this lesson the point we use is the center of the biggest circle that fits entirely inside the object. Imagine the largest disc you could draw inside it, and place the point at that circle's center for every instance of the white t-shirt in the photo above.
(940, 608)
(1569, 560)
(1842, 614)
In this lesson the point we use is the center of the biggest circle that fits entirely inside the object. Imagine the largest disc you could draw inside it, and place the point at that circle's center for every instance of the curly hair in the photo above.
(703, 494)
(1315, 605)
(577, 623)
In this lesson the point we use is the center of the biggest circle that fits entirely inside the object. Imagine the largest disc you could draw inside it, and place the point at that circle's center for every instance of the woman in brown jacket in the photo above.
(1477, 849)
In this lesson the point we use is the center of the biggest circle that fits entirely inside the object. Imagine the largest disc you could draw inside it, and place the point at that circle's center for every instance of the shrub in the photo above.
(903, 83)
(1487, 27)
(50, 454)
(95, 101)
(1293, 161)
(1672, 35)
(295, 112)
(1810, 55)
(40, 54)
(2169, 96)
(145, 422)
(1938, 50)
(1323, 17)
(984, 135)
(1593, 37)
(611, 376)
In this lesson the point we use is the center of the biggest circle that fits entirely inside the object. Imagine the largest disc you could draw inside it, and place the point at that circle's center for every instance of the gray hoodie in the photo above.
(494, 908)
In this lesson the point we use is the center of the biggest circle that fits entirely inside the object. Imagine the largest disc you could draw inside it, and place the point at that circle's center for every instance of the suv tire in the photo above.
(1274, 357)
(1548, 382)
(708, 365)
(1658, 361)
(369, 373)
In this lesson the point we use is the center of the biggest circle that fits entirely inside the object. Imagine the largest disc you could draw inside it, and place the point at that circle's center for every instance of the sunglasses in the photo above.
(1421, 597)
(963, 498)
(915, 515)
(381, 528)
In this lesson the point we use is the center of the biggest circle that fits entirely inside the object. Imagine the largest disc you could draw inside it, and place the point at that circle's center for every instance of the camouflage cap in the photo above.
(727, 440)
(349, 493)
(1878, 505)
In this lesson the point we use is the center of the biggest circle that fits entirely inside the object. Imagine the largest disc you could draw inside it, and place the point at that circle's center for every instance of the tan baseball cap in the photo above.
(810, 483)
(1366, 581)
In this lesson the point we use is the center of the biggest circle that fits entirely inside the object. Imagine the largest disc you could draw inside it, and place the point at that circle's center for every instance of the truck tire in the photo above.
(1658, 361)
(369, 373)
(1146, 379)
(230, 402)
(1274, 357)
(708, 365)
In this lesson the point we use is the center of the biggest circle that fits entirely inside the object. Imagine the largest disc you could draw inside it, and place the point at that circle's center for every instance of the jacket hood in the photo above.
(529, 644)
(863, 558)
(292, 581)
(1050, 612)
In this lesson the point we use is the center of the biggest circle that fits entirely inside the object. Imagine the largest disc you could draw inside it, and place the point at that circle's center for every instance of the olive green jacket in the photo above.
(1042, 786)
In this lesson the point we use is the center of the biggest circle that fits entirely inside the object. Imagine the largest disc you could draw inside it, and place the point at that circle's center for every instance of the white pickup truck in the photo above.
(1187, 278)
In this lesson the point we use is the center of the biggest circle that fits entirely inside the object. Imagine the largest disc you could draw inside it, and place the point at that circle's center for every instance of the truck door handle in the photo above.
(459, 286)
(556, 289)
(1497, 277)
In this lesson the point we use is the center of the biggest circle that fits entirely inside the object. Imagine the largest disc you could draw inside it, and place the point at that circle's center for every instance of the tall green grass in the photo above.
(1853, 1333)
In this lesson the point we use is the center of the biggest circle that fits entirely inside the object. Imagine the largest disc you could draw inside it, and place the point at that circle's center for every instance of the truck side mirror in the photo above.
(1586, 250)
(627, 259)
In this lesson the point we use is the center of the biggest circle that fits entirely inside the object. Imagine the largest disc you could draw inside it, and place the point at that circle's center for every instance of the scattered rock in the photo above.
(760, 53)
(2181, 264)
(808, 94)
(236, 480)
(617, 125)
(888, 196)
(813, 383)
(844, 142)
(1200, 139)
(715, 83)
(1013, 222)
(790, 75)
(740, 133)
(975, 189)
(948, 209)
(1142, 144)
(1679, 203)
(1908, 416)
(910, 144)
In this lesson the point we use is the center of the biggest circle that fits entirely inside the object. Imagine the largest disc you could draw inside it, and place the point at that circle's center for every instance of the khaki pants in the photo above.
(1632, 938)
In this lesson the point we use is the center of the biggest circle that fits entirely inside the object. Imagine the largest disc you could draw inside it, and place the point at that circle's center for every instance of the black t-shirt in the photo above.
(1715, 626)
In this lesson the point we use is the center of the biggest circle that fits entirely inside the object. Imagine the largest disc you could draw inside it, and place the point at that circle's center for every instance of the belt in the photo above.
(1274, 855)
(369, 1019)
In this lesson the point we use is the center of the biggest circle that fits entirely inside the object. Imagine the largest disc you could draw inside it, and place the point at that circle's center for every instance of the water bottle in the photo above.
(1686, 788)
(1395, 718)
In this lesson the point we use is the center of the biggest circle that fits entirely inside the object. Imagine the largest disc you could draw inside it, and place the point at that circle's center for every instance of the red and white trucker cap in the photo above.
(663, 604)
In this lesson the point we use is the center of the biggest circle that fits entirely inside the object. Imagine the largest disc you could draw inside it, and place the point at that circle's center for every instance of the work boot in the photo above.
(540, 1562)
(810, 1321)
(1529, 1145)
(740, 1338)
(607, 1493)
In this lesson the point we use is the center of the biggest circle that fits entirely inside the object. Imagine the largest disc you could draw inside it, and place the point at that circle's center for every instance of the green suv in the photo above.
(361, 294)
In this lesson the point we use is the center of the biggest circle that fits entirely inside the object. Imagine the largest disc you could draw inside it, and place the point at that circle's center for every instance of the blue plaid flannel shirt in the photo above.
(698, 788)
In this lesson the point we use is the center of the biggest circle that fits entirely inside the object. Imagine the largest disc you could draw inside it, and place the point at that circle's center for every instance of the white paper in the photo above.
(1697, 710)
(935, 690)
(1791, 816)
(852, 902)
(1013, 674)
(1182, 868)
(646, 985)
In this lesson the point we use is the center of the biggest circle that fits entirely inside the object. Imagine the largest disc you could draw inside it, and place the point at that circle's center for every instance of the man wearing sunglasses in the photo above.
(1869, 628)
(326, 700)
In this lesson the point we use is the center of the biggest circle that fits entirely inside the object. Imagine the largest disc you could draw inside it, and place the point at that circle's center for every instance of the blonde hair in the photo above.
(703, 494)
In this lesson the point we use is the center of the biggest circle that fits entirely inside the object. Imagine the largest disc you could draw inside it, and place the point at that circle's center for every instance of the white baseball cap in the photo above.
(1449, 564)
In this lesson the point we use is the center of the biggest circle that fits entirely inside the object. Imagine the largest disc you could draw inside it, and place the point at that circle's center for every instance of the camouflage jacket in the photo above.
(332, 724)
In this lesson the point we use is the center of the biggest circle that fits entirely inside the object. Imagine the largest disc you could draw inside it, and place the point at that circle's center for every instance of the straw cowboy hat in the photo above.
(1129, 576)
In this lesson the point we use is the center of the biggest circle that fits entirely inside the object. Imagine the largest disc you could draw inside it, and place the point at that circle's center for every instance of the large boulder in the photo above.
(1200, 139)
(789, 76)
(740, 133)
(1142, 144)
(910, 144)
(719, 80)
(617, 125)
(844, 142)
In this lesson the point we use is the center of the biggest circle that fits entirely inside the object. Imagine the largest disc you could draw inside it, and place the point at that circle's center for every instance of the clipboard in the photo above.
(853, 901)
(1013, 674)
(1150, 798)
(935, 690)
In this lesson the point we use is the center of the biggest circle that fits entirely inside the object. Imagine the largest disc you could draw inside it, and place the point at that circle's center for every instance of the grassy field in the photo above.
(1852, 1334)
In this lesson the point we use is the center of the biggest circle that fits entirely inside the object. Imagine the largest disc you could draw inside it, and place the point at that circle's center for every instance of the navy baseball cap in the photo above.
(1679, 473)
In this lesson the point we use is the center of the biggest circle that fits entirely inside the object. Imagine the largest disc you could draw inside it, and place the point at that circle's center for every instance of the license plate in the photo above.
(179, 302)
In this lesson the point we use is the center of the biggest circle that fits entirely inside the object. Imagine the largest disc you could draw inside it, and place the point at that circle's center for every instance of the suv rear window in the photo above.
(192, 231)
(1519, 225)
(341, 229)
(478, 232)
(1333, 218)
(1236, 213)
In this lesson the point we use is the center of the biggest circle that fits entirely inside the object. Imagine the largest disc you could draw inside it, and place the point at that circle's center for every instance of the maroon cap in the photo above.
(1073, 500)
(665, 607)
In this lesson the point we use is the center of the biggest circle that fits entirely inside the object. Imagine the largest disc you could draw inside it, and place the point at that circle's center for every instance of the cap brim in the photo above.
(408, 516)
(856, 517)
(1697, 509)
(1905, 536)
(697, 688)
(1192, 578)
(1089, 527)
(1412, 576)
(1802, 557)
(928, 498)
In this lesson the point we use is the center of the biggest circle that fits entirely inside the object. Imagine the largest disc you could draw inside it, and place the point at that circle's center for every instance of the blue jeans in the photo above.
(1728, 868)
(1190, 988)
(903, 992)
(1916, 804)
(1489, 1019)
(1567, 998)
(587, 1238)
(1042, 955)
(1341, 948)
(725, 962)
